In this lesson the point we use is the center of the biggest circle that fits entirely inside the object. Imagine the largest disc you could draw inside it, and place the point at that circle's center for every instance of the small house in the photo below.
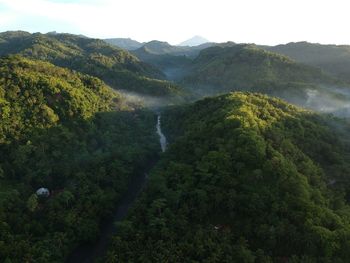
(43, 192)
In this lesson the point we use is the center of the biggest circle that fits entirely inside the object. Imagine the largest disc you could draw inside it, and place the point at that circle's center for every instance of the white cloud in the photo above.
(261, 21)
(6, 18)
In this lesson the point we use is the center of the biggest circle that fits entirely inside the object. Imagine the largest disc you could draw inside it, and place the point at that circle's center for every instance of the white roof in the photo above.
(43, 191)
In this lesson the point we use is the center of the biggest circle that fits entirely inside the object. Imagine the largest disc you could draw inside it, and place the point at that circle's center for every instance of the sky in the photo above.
(267, 22)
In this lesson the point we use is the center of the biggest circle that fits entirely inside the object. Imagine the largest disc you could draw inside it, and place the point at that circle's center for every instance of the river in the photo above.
(88, 253)
(162, 138)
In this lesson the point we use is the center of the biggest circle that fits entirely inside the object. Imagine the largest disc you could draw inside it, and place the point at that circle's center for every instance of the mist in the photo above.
(135, 99)
(327, 99)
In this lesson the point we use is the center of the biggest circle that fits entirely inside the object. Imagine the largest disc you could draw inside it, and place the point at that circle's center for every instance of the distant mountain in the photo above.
(232, 67)
(171, 60)
(160, 48)
(174, 67)
(118, 68)
(194, 41)
(243, 65)
(124, 43)
(331, 58)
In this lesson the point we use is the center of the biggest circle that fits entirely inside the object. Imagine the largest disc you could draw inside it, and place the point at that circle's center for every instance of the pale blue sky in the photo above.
(258, 21)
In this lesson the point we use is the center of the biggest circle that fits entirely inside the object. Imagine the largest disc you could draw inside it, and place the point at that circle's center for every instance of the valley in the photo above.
(91, 252)
(151, 152)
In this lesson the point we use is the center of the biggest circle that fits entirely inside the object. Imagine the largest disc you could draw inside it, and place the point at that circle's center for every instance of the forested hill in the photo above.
(246, 178)
(244, 66)
(124, 43)
(334, 59)
(115, 66)
(66, 48)
(72, 134)
(36, 94)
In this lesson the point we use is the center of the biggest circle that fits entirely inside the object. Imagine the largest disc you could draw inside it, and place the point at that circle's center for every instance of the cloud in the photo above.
(261, 21)
(6, 18)
(58, 14)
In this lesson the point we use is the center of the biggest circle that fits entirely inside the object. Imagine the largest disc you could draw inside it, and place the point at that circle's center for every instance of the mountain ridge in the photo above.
(247, 67)
(117, 67)
(124, 43)
(334, 59)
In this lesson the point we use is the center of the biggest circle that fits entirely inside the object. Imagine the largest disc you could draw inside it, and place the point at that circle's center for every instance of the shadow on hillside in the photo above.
(87, 165)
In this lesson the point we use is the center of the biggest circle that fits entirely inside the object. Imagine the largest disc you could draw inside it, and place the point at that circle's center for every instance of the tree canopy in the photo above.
(74, 135)
(246, 178)
(95, 57)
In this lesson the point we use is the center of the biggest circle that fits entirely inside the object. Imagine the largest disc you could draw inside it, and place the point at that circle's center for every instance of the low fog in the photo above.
(333, 100)
(134, 98)
(324, 99)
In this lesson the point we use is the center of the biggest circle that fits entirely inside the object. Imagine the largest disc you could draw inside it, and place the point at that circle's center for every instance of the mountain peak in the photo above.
(194, 41)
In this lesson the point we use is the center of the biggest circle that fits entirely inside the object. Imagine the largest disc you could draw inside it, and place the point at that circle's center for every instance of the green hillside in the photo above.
(36, 94)
(159, 48)
(246, 67)
(124, 43)
(115, 66)
(334, 59)
(72, 134)
(246, 178)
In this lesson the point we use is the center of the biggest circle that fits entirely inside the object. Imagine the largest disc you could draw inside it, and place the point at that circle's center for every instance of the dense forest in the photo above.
(334, 59)
(95, 57)
(247, 178)
(72, 134)
(212, 69)
(244, 67)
